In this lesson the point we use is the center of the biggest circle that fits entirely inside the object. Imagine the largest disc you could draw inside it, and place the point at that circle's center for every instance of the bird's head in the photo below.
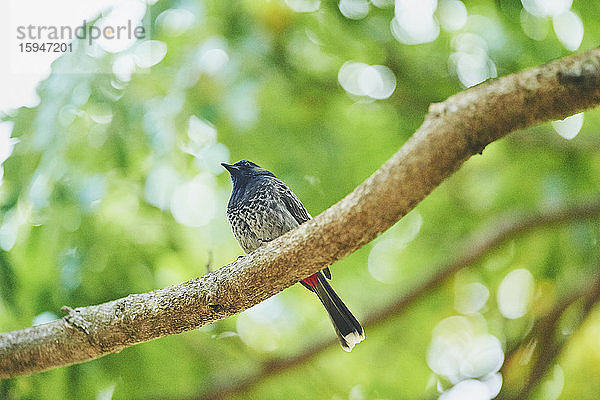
(245, 170)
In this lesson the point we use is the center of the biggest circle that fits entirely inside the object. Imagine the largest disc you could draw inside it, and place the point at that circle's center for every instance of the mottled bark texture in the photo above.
(453, 131)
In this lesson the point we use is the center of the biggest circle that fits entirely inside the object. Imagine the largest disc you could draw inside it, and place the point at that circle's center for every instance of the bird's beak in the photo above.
(229, 167)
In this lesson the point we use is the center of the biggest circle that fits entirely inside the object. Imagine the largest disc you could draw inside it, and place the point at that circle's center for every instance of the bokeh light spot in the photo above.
(100, 113)
(470, 298)
(413, 21)
(44, 318)
(304, 5)
(354, 9)
(461, 350)
(7, 143)
(149, 53)
(452, 14)
(515, 293)
(201, 133)
(125, 13)
(124, 66)
(552, 388)
(472, 389)
(160, 185)
(175, 21)
(384, 262)
(471, 62)
(194, 203)
(360, 79)
(546, 8)
(569, 127)
(382, 3)
(212, 55)
(265, 326)
(569, 29)
(11, 223)
(535, 27)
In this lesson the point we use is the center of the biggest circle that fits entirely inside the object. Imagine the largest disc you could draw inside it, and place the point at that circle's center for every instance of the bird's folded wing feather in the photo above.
(293, 203)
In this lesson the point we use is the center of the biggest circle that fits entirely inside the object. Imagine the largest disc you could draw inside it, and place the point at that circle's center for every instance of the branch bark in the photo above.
(452, 131)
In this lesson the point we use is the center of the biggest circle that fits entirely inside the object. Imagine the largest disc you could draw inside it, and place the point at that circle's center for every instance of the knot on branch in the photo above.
(437, 111)
(74, 320)
(475, 145)
(211, 295)
(586, 74)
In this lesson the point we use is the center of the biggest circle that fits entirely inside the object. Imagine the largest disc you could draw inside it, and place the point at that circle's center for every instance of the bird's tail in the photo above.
(346, 326)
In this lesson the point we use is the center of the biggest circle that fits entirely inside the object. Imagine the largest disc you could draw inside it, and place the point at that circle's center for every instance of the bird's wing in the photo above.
(296, 208)
(293, 204)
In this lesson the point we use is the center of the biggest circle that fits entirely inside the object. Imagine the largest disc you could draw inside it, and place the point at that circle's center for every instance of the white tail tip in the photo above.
(352, 339)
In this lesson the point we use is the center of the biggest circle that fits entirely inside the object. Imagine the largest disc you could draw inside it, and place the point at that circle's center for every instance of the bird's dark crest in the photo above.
(249, 168)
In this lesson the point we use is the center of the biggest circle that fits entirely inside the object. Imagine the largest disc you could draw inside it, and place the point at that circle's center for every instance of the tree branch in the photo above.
(545, 343)
(452, 131)
(473, 250)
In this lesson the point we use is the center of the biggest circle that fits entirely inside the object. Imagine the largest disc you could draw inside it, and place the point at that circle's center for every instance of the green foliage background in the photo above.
(75, 200)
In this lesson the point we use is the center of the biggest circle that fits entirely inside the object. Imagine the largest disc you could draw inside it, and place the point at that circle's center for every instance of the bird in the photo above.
(262, 208)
